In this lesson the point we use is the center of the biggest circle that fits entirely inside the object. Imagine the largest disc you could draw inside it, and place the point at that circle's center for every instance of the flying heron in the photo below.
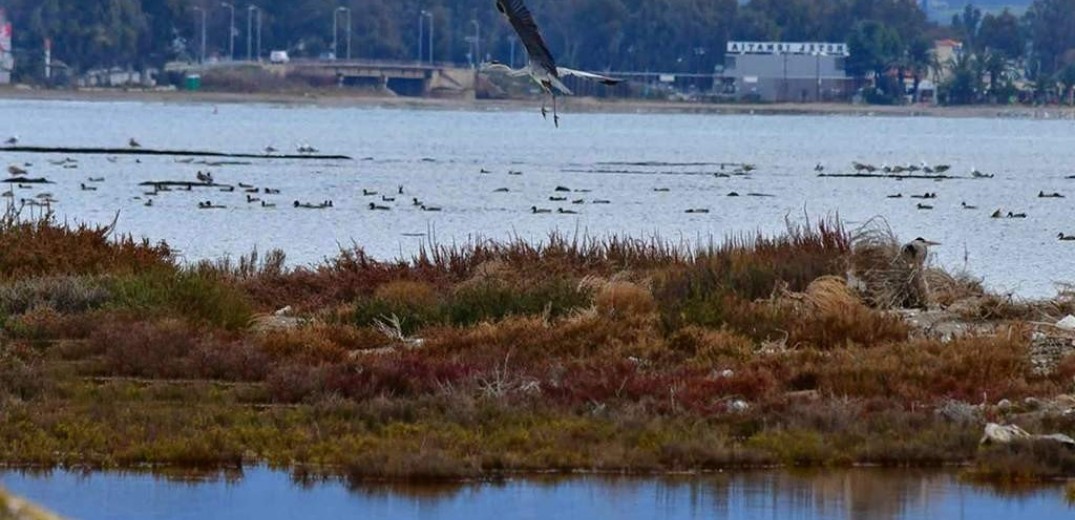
(540, 66)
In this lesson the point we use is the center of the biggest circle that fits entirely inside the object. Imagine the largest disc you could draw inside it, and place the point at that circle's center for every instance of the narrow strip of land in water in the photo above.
(350, 98)
(72, 150)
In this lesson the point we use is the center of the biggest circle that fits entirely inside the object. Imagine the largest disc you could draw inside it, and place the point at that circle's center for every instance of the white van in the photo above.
(279, 57)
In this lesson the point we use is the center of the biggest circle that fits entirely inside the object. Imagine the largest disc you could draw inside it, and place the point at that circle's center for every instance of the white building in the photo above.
(786, 71)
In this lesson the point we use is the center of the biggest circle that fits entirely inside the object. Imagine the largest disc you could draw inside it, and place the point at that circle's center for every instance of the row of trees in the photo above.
(999, 48)
(664, 35)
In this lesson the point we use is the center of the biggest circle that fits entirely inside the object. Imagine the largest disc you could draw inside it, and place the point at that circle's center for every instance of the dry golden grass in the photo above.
(319, 343)
(708, 348)
(624, 300)
(569, 354)
(407, 294)
(878, 272)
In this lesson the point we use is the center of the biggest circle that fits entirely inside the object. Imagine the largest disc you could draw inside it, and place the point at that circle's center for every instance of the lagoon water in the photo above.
(437, 156)
(269, 495)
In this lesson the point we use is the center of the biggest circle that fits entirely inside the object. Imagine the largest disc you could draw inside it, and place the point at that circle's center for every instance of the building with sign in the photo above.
(7, 57)
(788, 72)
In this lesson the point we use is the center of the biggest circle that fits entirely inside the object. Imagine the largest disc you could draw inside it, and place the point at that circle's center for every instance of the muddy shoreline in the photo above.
(336, 99)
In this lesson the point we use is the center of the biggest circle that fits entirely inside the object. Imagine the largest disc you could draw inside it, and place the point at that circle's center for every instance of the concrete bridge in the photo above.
(403, 78)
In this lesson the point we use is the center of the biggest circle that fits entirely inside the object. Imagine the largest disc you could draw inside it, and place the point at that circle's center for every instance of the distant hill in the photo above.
(942, 10)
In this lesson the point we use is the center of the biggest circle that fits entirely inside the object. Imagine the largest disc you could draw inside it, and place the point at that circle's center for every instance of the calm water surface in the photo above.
(264, 494)
(438, 155)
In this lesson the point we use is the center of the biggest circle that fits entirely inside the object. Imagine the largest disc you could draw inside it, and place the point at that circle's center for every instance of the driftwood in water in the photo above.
(27, 180)
(887, 176)
(150, 151)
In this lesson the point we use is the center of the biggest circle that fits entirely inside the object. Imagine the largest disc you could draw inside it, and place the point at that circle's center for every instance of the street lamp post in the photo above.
(512, 51)
(421, 35)
(231, 30)
(250, 32)
(259, 33)
(477, 41)
(335, 31)
(817, 95)
(430, 16)
(202, 49)
(348, 11)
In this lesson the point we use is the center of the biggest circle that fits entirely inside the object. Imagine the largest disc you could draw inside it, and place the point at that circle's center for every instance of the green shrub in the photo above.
(199, 297)
(473, 304)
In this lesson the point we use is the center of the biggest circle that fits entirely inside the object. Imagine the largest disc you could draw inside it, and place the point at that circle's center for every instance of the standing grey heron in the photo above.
(913, 256)
(914, 253)
(540, 66)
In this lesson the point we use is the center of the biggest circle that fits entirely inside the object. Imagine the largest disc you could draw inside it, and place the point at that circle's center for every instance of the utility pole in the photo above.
(421, 24)
(347, 10)
(512, 51)
(250, 32)
(477, 42)
(259, 33)
(202, 52)
(335, 29)
(430, 15)
(231, 30)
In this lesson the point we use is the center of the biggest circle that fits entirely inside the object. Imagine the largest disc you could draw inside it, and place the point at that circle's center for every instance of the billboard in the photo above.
(812, 48)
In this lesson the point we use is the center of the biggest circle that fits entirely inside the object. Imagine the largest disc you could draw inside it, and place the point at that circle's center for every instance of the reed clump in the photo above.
(469, 360)
(1023, 462)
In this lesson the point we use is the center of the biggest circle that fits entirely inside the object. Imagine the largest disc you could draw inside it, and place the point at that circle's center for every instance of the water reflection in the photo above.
(264, 493)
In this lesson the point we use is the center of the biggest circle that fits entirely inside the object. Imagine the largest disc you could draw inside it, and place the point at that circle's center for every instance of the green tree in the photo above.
(874, 47)
(963, 86)
(1002, 34)
(967, 24)
(1066, 77)
(1052, 32)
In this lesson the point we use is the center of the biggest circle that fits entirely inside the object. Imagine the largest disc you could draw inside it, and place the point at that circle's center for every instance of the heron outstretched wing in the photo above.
(607, 80)
(523, 22)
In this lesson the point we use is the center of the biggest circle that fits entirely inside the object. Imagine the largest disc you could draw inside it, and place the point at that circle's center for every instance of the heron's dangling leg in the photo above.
(555, 117)
(544, 113)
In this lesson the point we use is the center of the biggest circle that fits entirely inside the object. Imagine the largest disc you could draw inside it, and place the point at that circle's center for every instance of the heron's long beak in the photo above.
(931, 243)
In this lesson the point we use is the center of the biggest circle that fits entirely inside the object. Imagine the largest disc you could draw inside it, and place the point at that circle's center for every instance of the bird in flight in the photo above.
(541, 66)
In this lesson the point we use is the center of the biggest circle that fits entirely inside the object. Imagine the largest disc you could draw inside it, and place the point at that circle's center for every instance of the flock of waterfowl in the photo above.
(562, 201)
(203, 180)
(935, 172)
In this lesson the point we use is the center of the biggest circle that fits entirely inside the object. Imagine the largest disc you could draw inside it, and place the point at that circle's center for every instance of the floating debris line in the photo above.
(150, 151)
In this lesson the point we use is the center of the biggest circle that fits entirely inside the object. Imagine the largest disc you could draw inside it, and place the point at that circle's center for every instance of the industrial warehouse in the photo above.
(786, 72)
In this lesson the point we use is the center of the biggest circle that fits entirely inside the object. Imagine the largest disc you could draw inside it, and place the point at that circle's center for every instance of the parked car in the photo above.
(279, 57)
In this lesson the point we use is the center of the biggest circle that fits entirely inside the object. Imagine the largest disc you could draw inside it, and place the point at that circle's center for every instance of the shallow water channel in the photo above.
(267, 494)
